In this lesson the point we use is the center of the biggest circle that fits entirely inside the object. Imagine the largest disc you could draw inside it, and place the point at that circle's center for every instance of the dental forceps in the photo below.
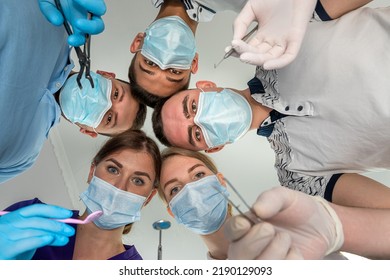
(231, 51)
(82, 55)
(251, 220)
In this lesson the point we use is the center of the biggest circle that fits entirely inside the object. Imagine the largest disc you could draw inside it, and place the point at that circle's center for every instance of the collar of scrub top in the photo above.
(82, 55)
(253, 220)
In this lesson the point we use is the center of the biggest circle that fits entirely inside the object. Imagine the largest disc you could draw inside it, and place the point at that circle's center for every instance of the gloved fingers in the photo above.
(93, 26)
(243, 21)
(96, 7)
(43, 224)
(44, 211)
(51, 13)
(286, 58)
(273, 201)
(76, 39)
(14, 250)
(236, 227)
(15, 233)
(263, 54)
(294, 254)
(241, 47)
(253, 243)
(277, 248)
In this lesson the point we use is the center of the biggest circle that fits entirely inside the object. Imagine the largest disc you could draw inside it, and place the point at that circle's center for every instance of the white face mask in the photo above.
(170, 43)
(200, 206)
(119, 207)
(224, 116)
(86, 106)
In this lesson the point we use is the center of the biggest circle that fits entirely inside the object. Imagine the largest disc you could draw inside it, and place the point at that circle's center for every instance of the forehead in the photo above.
(155, 81)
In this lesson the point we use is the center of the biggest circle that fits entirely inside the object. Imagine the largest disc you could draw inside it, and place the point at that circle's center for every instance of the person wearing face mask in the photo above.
(165, 53)
(321, 131)
(122, 180)
(37, 87)
(195, 194)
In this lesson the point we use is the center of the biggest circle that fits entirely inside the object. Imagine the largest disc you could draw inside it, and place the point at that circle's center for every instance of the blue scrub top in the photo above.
(34, 64)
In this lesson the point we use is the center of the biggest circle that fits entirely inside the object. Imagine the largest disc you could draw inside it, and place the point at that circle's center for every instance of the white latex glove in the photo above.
(310, 222)
(282, 26)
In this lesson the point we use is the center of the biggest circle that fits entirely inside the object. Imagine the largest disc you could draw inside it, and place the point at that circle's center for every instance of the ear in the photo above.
(205, 84)
(149, 198)
(138, 40)
(194, 65)
(91, 172)
(170, 212)
(108, 75)
(93, 134)
(221, 179)
(214, 150)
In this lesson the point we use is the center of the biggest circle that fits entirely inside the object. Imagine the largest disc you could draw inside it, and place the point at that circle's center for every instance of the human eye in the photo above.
(112, 170)
(116, 93)
(199, 175)
(198, 133)
(193, 106)
(174, 191)
(150, 63)
(175, 71)
(138, 181)
(109, 118)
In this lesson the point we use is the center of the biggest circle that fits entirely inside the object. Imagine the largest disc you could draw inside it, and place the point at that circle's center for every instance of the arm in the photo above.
(337, 8)
(359, 191)
(366, 231)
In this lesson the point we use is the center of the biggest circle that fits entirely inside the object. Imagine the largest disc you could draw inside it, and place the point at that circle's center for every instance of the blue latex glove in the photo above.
(29, 228)
(76, 12)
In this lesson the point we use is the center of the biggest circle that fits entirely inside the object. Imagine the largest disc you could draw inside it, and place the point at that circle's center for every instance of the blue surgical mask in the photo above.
(223, 117)
(119, 207)
(88, 105)
(169, 43)
(199, 206)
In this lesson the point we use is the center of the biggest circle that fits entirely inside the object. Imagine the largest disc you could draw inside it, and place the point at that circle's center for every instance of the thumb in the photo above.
(51, 13)
(236, 227)
(273, 201)
(242, 22)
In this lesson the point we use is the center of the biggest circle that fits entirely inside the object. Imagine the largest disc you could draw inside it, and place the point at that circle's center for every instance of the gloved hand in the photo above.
(282, 26)
(311, 223)
(27, 229)
(76, 14)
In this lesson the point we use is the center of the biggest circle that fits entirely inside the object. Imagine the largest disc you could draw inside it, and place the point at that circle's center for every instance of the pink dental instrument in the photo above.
(90, 218)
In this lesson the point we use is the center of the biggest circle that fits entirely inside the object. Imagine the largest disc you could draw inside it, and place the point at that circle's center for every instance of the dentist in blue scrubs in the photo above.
(35, 63)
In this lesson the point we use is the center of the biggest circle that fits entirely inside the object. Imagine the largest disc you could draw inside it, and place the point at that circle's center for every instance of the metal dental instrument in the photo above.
(245, 39)
(83, 56)
(251, 220)
(160, 225)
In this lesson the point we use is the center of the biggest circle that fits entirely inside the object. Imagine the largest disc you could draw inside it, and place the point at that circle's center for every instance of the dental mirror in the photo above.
(160, 225)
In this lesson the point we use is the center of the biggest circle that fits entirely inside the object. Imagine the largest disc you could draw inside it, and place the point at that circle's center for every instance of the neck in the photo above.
(217, 243)
(176, 8)
(93, 243)
(259, 111)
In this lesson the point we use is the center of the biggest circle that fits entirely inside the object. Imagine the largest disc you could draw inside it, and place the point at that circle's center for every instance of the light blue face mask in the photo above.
(119, 207)
(199, 206)
(223, 117)
(88, 105)
(169, 43)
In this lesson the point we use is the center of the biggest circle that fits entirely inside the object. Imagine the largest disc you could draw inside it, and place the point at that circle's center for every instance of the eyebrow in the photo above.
(172, 80)
(116, 162)
(136, 172)
(143, 174)
(186, 114)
